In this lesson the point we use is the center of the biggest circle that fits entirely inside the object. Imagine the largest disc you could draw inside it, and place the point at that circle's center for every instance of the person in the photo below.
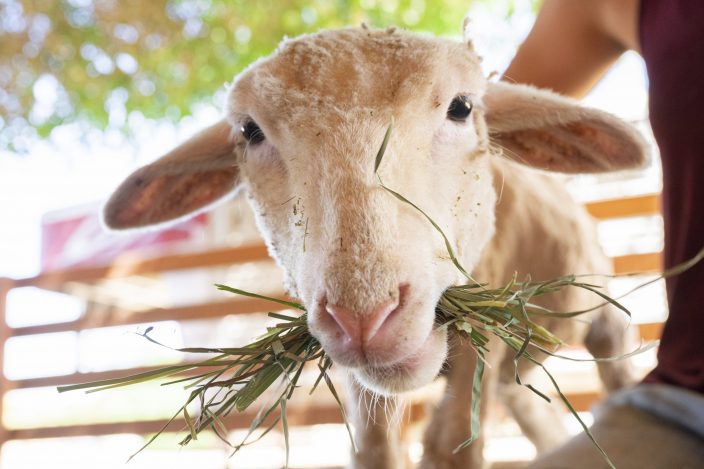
(660, 422)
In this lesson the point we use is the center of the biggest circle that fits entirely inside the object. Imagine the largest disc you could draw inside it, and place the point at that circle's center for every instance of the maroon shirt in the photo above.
(672, 44)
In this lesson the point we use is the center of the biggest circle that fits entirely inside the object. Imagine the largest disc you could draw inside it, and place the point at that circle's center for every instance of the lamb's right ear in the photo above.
(194, 175)
(545, 130)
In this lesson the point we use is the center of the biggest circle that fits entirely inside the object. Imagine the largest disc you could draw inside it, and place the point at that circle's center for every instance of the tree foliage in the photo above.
(64, 61)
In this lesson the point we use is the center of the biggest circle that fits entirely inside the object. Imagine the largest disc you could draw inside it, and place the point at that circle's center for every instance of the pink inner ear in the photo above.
(139, 203)
(162, 198)
(610, 148)
(551, 132)
(547, 150)
(201, 189)
(577, 147)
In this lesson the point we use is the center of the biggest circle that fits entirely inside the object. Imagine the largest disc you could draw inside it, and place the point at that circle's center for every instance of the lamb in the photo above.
(299, 139)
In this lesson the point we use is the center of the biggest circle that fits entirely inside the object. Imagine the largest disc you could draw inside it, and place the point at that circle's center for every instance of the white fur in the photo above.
(323, 102)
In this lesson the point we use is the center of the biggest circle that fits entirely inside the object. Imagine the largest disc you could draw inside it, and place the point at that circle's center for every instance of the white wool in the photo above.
(323, 103)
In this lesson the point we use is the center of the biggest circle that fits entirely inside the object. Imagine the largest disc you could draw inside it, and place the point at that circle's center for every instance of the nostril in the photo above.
(346, 320)
(376, 319)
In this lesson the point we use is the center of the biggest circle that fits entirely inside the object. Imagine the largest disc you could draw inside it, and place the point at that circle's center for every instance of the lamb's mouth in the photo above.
(411, 372)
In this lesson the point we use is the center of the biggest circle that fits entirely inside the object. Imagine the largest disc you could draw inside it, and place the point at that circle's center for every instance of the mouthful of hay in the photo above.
(234, 379)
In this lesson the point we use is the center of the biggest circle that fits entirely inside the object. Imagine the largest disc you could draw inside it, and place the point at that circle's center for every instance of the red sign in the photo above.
(75, 238)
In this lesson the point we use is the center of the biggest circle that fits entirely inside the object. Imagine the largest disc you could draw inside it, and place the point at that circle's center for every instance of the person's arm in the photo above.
(573, 43)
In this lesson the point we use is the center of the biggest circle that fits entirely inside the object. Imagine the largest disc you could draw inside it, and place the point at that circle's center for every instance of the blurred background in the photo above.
(91, 89)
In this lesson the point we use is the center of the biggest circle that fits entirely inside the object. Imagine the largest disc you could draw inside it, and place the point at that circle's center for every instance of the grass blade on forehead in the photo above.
(384, 144)
(448, 245)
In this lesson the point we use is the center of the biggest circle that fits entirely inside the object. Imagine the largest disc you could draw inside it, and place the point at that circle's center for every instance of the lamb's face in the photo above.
(369, 268)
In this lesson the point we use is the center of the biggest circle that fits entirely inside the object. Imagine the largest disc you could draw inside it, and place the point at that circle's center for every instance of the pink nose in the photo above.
(360, 328)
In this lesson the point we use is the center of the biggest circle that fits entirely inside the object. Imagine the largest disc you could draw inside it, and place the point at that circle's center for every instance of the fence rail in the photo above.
(130, 265)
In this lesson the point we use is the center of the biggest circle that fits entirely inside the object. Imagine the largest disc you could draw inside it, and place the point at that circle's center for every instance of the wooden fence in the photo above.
(325, 412)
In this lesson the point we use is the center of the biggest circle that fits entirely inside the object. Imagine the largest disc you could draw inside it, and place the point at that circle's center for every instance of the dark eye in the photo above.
(252, 133)
(460, 108)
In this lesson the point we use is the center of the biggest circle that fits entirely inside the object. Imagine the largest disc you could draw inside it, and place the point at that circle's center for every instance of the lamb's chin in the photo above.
(413, 372)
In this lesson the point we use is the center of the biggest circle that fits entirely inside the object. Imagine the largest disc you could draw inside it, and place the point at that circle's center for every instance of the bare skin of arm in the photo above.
(574, 42)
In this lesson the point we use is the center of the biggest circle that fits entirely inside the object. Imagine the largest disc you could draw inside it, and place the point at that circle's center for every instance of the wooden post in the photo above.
(6, 285)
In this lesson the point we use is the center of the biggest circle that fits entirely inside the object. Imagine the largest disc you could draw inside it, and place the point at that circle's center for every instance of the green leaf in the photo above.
(284, 425)
(237, 291)
(382, 149)
(475, 416)
(189, 423)
(331, 387)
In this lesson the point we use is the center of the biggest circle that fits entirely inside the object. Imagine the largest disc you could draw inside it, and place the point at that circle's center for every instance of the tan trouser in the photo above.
(633, 439)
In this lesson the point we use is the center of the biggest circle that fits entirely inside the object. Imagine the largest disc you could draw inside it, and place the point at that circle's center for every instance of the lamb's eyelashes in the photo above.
(460, 108)
(252, 133)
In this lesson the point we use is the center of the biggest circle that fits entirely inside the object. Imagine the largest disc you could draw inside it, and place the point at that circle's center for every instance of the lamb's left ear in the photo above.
(544, 130)
(190, 178)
